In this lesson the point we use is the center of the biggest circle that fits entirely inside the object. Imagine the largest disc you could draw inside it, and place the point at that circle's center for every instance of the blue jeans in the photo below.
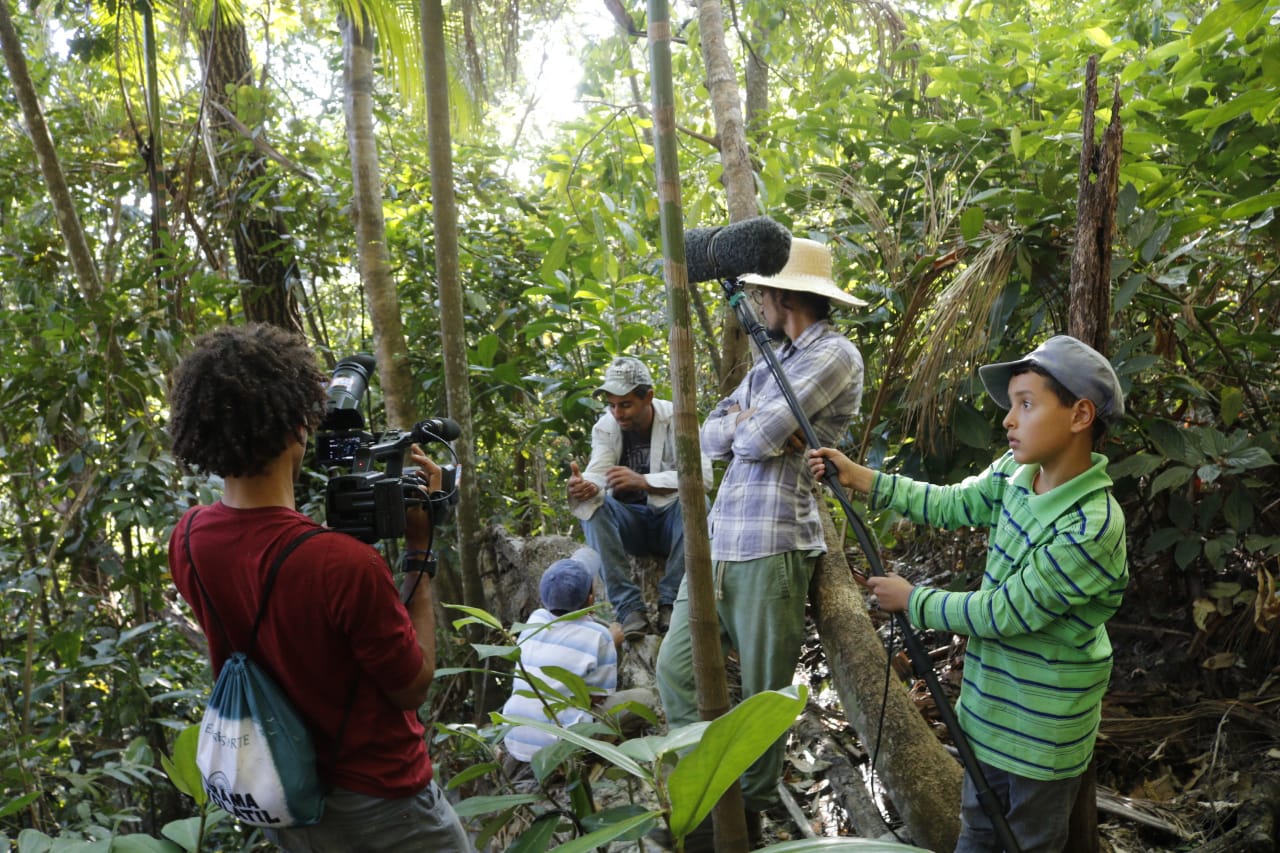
(359, 823)
(1038, 812)
(617, 529)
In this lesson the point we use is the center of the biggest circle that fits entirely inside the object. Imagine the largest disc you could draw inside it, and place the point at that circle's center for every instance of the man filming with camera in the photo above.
(353, 658)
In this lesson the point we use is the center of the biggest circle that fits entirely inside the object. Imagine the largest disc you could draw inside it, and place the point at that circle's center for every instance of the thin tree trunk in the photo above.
(259, 238)
(757, 82)
(390, 348)
(82, 263)
(736, 175)
(1089, 319)
(1089, 315)
(921, 777)
(704, 622)
(452, 322)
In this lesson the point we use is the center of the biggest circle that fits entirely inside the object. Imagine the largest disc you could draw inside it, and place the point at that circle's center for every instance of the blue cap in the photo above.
(1078, 367)
(565, 586)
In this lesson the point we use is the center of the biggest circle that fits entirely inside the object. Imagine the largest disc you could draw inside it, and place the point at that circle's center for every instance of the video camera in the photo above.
(366, 502)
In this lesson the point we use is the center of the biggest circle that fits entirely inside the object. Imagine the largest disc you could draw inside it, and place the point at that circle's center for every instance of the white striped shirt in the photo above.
(581, 646)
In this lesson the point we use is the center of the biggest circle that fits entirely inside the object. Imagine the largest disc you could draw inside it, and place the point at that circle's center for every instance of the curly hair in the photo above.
(239, 396)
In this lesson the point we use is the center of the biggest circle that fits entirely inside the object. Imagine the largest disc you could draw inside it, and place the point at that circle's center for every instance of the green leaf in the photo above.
(1186, 552)
(473, 772)
(608, 752)
(138, 843)
(1207, 473)
(472, 806)
(599, 838)
(1171, 478)
(1162, 539)
(186, 832)
(971, 222)
(1216, 549)
(728, 747)
(650, 748)
(1135, 465)
(1098, 36)
(536, 838)
(1258, 544)
(1251, 206)
(842, 845)
(1238, 509)
(606, 817)
(20, 803)
(971, 427)
(489, 650)
(1231, 403)
(1250, 458)
(182, 769)
(1171, 441)
(476, 613)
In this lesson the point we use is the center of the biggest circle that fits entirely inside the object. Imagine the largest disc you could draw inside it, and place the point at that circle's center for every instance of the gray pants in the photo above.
(1038, 813)
(359, 823)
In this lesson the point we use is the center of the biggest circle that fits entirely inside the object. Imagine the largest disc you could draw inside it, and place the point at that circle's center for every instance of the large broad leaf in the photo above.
(651, 748)
(728, 747)
(186, 832)
(1171, 479)
(1136, 465)
(182, 769)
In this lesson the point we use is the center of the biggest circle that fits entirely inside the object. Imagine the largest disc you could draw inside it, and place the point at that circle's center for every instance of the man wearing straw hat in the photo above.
(766, 535)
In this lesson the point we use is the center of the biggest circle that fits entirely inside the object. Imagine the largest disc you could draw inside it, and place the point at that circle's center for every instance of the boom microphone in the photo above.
(437, 429)
(757, 245)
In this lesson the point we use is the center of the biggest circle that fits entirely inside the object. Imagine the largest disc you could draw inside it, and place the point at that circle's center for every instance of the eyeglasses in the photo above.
(756, 295)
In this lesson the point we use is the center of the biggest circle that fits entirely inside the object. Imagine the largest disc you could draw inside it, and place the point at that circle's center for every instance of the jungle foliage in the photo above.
(938, 151)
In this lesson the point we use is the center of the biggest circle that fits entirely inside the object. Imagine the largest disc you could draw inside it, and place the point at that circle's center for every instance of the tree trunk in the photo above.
(1089, 315)
(1089, 319)
(452, 322)
(920, 775)
(82, 262)
(704, 622)
(736, 175)
(259, 238)
(390, 348)
(757, 82)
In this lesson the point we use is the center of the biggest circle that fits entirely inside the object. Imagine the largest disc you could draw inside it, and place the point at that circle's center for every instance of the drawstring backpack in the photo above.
(255, 753)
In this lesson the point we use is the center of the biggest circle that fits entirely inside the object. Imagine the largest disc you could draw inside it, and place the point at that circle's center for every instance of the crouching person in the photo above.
(581, 645)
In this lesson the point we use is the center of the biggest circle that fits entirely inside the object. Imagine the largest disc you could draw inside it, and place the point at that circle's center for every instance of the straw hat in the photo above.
(808, 270)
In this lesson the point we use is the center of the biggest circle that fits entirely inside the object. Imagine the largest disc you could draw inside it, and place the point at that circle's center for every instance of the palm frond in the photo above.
(956, 330)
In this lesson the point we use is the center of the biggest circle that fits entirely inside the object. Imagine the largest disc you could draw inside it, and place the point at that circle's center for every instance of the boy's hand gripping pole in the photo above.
(736, 295)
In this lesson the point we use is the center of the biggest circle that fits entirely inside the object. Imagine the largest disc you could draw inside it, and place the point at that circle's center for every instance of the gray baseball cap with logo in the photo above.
(1078, 367)
(624, 376)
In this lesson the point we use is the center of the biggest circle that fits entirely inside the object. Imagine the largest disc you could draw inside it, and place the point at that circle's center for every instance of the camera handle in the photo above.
(736, 293)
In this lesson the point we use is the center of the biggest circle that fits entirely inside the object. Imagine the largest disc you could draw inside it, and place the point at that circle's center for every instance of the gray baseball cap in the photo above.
(1079, 368)
(624, 376)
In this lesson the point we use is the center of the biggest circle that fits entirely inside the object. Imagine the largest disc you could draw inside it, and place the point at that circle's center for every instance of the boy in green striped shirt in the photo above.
(1038, 659)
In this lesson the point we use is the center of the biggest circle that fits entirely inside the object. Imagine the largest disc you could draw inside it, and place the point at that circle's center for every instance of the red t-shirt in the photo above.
(334, 613)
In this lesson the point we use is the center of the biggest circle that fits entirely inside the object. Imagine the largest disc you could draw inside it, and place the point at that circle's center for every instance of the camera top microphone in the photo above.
(436, 429)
